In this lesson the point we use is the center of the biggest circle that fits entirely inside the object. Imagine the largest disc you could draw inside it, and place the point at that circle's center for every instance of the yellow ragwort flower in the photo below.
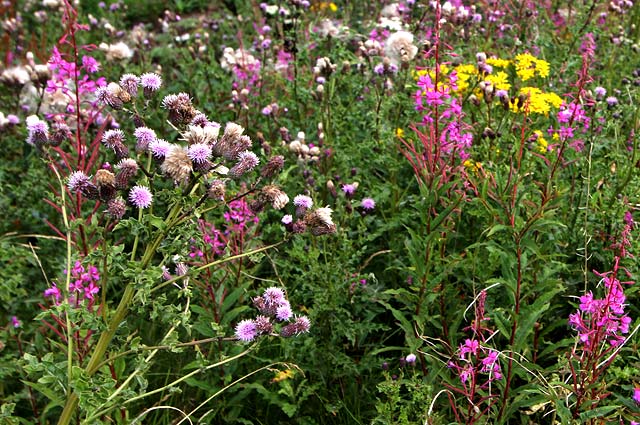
(399, 132)
(498, 63)
(528, 66)
(541, 141)
(499, 80)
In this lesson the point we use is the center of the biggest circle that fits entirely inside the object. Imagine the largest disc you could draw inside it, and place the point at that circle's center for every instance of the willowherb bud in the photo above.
(216, 190)
(247, 161)
(275, 164)
(177, 165)
(106, 182)
(116, 208)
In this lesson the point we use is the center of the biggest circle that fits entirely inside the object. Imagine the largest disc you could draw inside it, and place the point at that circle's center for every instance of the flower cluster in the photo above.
(600, 320)
(272, 305)
(84, 284)
(318, 221)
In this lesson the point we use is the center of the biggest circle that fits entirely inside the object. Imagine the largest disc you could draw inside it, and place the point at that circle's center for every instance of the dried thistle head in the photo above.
(319, 221)
(177, 165)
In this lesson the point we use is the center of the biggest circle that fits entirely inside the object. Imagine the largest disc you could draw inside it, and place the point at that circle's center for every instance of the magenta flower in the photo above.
(90, 64)
(246, 330)
(636, 395)
(15, 322)
(141, 197)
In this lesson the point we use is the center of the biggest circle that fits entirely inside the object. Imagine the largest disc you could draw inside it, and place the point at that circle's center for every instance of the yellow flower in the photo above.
(536, 101)
(399, 132)
(283, 375)
(527, 66)
(499, 80)
(541, 141)
(472, 165)
(333, 7)
(498, 63)
(464, 73)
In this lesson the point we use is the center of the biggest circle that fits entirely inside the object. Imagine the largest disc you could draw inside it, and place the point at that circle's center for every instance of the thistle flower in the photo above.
(410, 359)
(216, 190)
(230, 144)
(38, 131)
(116, 208)
(275, 164)
(160, 148)
(349, 189)
(319, 221)
(283, 312)
(151, 83)
(302, 324)
(129, 82)
(127, 169)
(181, 110)
(246, 330)
(263, 324)
(177, 165)
(114, 139)
(60, 132)
(273, 194)
(399, 47)
(302, 203)
(144, 136)
(106, 182)
(247, 161)
(368, 204)
(112, 95)
(274, 296)
(201, 135)
(79, 182)
(199, 152)
(141, 197)
(287, 219)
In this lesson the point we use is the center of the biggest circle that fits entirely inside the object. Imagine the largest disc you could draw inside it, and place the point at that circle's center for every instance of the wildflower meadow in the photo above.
(309, 212)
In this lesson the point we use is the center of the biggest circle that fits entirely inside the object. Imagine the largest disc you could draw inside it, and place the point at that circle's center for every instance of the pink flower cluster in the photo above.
(239, 216)
(64, 75)
(602, 319)
(83, 285)
(430, 96)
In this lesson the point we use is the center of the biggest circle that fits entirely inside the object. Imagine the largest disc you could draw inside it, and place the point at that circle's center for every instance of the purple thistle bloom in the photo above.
(129, 82)
(144, 136)
(38, 131)
(411, 358)
(160, 148)
(199, 152)
(636, 395)
(113, 138)
(303, 201)
(612, 101)
(283, 312)
(600, 92)
(287, 219)
(141, 196)
(246, 330)
(77, 180)
(274, 296)
(349, 189)
(15, 322)
(247, 161)
(150, 81)
(368, 204)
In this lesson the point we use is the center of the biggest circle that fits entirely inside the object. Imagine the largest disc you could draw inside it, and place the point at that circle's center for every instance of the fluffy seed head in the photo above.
(177, 164)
